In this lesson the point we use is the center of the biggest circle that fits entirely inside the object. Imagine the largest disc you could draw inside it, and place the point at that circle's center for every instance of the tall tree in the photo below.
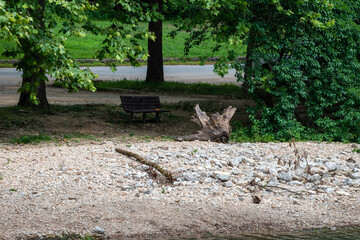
(31, 24)
(155, 65)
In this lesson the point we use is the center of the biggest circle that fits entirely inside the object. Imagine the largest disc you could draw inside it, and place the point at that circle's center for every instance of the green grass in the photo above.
(84, 48)
(28, 139)
(31, 139)
(226, 90)
(77, 136)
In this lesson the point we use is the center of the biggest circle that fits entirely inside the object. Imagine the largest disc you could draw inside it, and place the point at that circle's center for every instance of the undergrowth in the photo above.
(27, 139)
(242, 133)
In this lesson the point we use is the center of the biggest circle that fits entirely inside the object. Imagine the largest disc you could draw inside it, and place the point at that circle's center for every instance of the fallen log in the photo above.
(215, 128)
(140, 159)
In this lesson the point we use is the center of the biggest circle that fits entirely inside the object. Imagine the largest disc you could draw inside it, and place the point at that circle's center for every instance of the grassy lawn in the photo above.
(172, 48)
(228, 91)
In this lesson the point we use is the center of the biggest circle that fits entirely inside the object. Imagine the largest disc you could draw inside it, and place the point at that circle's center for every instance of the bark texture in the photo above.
(155, 64)
(36, 79)
(24, 100)
(215, 128)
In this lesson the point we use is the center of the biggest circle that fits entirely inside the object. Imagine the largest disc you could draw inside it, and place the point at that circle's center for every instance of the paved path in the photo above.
(176, 73)
(10, 81)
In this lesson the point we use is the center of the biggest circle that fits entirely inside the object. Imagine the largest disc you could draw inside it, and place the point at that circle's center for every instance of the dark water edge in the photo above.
(350, 233)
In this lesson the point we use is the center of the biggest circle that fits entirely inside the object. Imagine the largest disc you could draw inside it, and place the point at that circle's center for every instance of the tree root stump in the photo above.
(215, 128)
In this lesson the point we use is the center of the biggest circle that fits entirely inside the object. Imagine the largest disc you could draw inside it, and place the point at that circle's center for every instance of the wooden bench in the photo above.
(142, 104)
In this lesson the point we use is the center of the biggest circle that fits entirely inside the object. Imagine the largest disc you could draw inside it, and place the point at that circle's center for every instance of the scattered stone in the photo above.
(145, 167)
(273, 172)
(222, 176)
(331, 166)
(314, 178)
(99, 230)
(273, 182)
(355, 175)
(286, 176)
(149, 182)
(235, 162)
(127, 188)
(228, 184)
(342, 193)
(217, 163)
(317, 170)
(324, 188)
(177, 183)
(189, 176)
(259, 175)
(298, 183)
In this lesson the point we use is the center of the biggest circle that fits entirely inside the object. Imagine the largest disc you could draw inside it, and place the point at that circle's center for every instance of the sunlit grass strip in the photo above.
(227, 90)
(85, 48)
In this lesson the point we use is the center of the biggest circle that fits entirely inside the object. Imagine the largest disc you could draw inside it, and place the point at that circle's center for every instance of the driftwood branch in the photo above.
(215, 128)
(140, 159)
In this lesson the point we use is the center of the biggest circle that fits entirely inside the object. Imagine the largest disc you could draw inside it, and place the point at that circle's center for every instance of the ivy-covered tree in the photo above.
(39, 29)
(302, 61)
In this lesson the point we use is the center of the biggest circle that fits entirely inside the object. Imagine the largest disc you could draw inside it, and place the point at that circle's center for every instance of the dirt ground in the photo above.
(100, 114)
(59, 187)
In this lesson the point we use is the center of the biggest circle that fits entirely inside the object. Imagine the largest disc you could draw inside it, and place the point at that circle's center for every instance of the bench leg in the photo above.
(157, 117)
(144, 116)
(131, 117)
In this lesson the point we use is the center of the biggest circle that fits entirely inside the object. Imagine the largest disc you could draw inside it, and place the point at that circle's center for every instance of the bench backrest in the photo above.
(140, 102)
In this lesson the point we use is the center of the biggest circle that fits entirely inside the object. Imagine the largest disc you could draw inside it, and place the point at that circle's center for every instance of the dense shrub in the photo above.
(302, 64)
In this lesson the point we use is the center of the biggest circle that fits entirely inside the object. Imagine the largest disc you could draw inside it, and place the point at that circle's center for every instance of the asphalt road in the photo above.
(176, 73)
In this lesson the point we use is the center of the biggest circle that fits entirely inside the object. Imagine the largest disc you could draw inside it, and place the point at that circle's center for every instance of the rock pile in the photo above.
(92, 182)
(241, 169)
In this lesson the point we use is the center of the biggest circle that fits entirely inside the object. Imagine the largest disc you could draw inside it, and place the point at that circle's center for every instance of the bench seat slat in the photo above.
(146, 111)
(142, 104)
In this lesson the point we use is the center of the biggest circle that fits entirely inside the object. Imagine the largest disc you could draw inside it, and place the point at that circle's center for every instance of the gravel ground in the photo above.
(88, 188)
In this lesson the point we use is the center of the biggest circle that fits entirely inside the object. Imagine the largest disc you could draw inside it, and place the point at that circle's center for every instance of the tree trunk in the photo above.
(215, 128)
(24, 100)
(155, 65)
(35, 79)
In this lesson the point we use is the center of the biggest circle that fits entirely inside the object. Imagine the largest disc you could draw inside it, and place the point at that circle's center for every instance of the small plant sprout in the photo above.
(194, 151)
(163, 190)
